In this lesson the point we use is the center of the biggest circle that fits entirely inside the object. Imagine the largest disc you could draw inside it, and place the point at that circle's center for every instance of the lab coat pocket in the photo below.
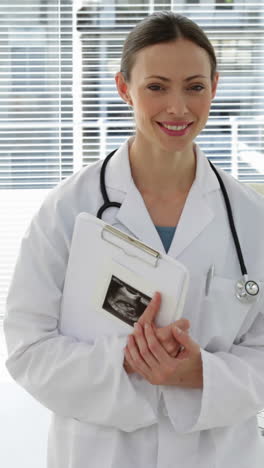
(221, 315)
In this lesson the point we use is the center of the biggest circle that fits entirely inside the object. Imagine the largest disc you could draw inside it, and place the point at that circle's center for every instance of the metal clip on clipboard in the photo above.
(149, 256)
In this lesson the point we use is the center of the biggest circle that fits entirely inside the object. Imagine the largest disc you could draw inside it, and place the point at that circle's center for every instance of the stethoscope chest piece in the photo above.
(247, 290)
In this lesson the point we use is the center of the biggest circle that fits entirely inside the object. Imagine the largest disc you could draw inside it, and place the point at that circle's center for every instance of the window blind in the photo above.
(36, 114)
(233, 137)
(53, 121)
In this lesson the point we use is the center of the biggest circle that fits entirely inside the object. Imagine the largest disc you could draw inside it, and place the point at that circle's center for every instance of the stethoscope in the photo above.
(246, 290)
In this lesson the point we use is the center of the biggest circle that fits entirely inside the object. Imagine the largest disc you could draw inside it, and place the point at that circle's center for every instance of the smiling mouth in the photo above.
(175, 127)
(175, 130)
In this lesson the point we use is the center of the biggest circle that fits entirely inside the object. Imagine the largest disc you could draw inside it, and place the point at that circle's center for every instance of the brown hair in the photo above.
(164, 26)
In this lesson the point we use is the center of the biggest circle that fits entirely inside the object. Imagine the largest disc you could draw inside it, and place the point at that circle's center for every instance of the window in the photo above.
(224, 4)
(36, 114)
(239, 101)
(53, 121)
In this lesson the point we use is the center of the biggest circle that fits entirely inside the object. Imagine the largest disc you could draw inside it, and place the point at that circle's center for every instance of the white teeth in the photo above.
(175, 127)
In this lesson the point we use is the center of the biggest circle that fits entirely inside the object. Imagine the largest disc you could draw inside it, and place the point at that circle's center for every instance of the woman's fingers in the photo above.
(154, 345)
(136, 359)
(167, 339)
(143, 346)
(182, 323)
(151, 310)
(127, 366)
(147, 356)
(188, 346)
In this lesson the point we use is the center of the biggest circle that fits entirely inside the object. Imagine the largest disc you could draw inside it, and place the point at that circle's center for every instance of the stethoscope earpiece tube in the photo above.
(107, 204)
(231, 222)
(102, 176)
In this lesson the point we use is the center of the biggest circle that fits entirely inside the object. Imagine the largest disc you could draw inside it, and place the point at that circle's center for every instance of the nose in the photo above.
(177, 104)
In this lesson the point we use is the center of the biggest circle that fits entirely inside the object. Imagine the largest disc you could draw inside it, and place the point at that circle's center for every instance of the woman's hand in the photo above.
(164, 334)
(146, 356)
(167, 339)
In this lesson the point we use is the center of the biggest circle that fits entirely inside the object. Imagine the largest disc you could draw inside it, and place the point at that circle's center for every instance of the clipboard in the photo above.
(111, 277)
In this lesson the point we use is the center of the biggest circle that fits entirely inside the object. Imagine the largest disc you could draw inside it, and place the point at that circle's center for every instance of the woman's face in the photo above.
(171, 86)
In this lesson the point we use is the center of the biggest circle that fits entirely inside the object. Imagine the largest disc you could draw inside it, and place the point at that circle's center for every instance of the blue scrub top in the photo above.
(166, 234)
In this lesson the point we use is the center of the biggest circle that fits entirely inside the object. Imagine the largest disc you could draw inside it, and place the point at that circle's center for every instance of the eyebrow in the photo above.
(163, 78)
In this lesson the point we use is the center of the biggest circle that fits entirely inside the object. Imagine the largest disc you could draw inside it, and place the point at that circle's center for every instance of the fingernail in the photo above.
(178, 330)
(136, 326)
(147, 325)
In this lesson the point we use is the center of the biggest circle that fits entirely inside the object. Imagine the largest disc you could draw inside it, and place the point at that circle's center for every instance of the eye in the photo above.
(155, 87)
(197, 88)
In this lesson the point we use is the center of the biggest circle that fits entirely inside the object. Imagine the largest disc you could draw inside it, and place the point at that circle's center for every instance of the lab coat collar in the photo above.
(196, 215)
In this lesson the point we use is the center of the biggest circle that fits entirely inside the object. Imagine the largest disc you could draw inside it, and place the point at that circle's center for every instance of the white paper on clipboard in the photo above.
(110, 279)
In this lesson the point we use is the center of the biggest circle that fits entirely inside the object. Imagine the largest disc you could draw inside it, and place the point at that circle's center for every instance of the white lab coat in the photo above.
(103, 418)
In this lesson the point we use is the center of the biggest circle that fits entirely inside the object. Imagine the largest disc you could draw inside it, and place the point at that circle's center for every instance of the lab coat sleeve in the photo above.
(233, 386)
(71, 378)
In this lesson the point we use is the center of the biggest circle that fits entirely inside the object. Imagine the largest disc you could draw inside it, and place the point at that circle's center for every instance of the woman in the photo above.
(161, 398)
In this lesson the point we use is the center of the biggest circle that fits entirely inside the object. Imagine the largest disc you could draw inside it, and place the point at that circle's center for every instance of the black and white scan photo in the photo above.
(124, 301)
